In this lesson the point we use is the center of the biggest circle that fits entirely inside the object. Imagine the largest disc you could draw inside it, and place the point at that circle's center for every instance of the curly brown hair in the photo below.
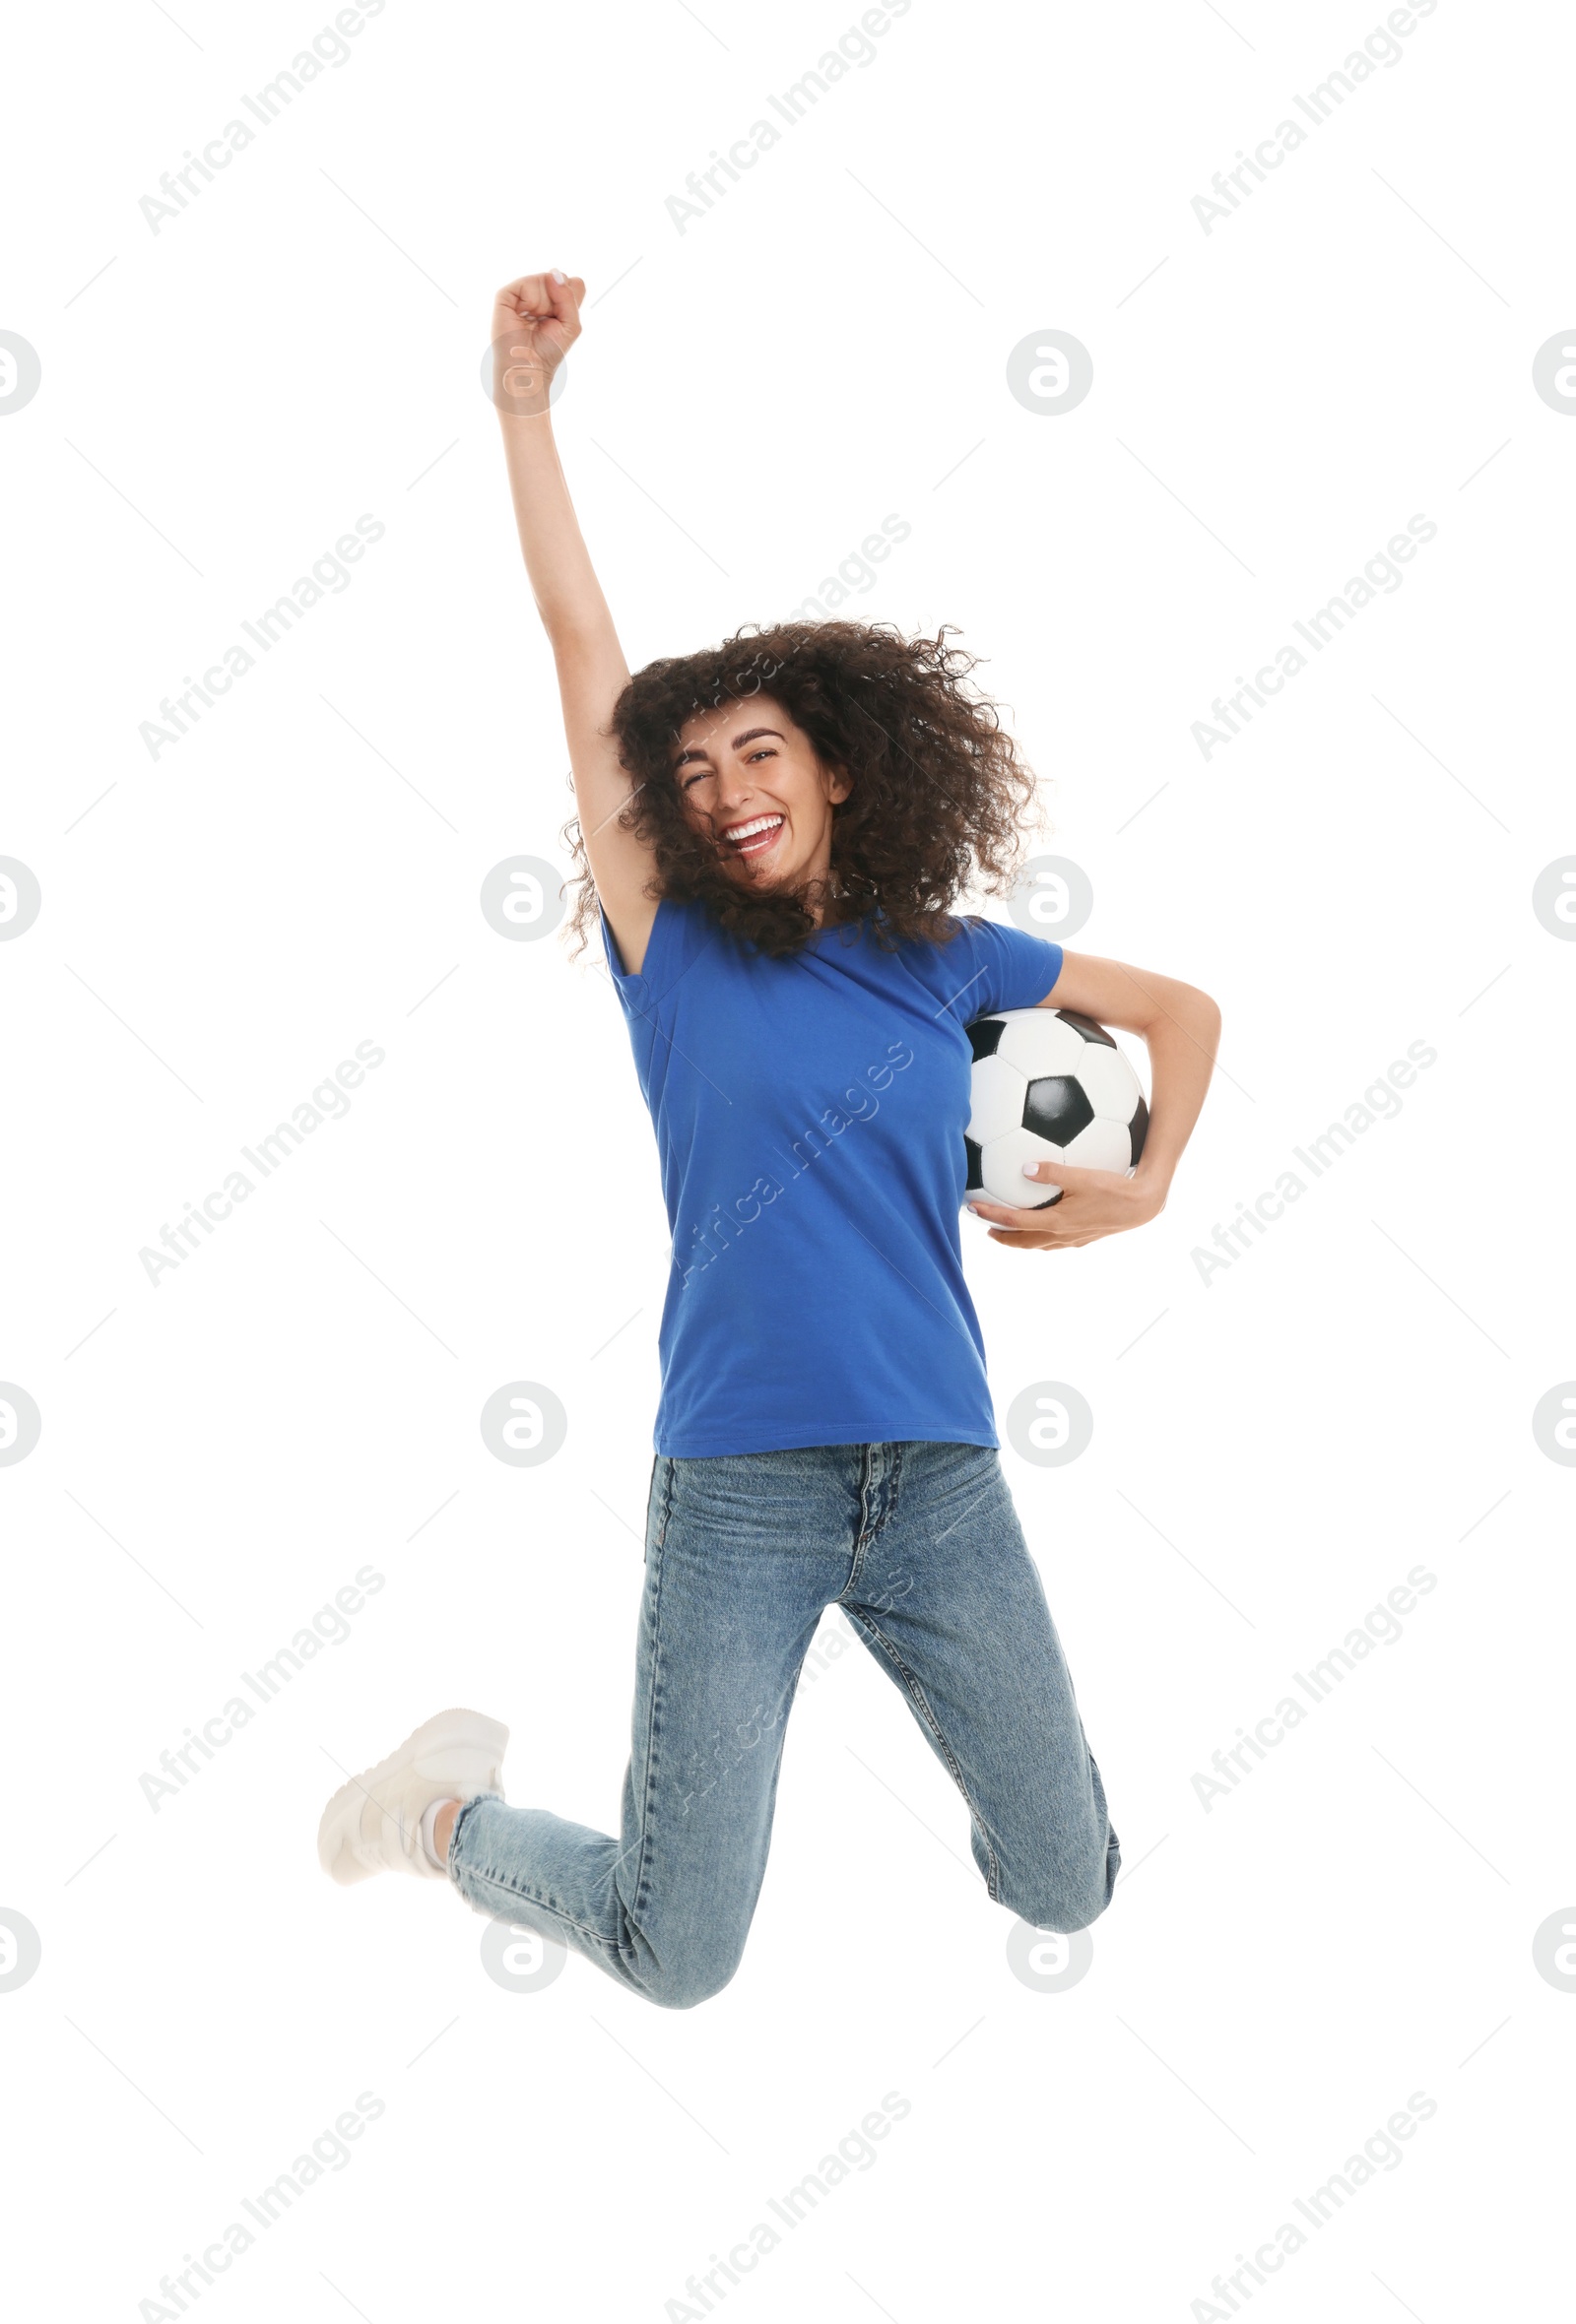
(939, 796)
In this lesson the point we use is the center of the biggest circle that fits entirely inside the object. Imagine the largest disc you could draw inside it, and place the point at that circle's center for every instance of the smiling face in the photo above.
(750, 778)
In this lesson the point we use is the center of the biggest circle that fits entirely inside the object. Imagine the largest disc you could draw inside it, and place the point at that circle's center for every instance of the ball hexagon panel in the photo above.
(1109, 1084)
(1103, 1145)
(1092, 1032)
(1039, 1041)
(997, 1094)
(1001, 1161)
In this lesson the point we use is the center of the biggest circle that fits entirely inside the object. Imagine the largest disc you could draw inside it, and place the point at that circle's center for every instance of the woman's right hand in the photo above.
(535, 323)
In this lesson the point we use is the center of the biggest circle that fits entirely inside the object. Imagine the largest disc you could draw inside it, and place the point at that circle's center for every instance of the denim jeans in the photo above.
(920, 1546)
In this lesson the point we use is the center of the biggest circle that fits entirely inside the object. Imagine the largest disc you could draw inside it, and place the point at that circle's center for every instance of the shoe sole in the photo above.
(466, 1732)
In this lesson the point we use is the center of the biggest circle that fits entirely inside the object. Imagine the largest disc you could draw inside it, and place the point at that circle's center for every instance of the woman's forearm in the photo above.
(558, 564)
(1181, 1043)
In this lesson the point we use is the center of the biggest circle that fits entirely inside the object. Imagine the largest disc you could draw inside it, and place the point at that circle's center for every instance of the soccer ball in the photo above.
(1048, 1085)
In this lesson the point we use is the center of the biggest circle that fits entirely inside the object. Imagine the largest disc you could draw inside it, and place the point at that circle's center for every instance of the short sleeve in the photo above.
(679, 934)
(620, 976)
(1016, 970)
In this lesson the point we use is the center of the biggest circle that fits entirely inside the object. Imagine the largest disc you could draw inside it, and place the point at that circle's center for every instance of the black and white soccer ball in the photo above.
(1048, 1085)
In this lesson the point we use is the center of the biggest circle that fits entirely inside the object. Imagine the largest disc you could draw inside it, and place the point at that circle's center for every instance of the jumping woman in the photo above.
(771, 835)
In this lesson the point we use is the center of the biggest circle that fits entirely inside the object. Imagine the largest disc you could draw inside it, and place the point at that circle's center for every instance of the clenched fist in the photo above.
(535, 323)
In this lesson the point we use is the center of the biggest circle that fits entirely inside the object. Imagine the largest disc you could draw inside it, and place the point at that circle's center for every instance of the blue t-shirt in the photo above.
(810, 1115)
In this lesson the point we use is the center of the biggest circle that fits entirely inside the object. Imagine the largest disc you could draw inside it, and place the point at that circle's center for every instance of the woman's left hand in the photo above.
(1095, 1203)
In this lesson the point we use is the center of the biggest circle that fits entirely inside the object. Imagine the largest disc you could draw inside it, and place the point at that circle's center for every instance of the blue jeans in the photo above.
(920, 1546)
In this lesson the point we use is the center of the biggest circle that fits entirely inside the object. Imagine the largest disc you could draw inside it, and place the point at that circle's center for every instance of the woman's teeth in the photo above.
(752, 839)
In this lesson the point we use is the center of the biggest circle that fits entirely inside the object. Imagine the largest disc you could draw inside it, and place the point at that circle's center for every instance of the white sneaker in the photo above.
(373, 1823)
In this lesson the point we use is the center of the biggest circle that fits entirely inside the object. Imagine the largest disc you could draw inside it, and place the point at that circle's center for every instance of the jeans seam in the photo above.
(651, 1715)
(922, 1705)
(869, 1533)
(452, 1861)
(543, 1904)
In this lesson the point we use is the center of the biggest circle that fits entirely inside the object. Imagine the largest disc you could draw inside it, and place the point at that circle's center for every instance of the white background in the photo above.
(220, 927)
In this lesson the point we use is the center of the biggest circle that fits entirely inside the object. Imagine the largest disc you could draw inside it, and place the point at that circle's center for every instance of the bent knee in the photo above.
(685, 1991)
(1058, 1916)
(1067, 1902)
(685, 1983)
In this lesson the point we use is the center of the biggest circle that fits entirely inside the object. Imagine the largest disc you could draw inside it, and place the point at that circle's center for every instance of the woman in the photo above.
(771, 834)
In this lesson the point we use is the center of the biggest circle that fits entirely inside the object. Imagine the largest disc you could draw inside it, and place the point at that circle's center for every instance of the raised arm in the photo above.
(535, 322)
